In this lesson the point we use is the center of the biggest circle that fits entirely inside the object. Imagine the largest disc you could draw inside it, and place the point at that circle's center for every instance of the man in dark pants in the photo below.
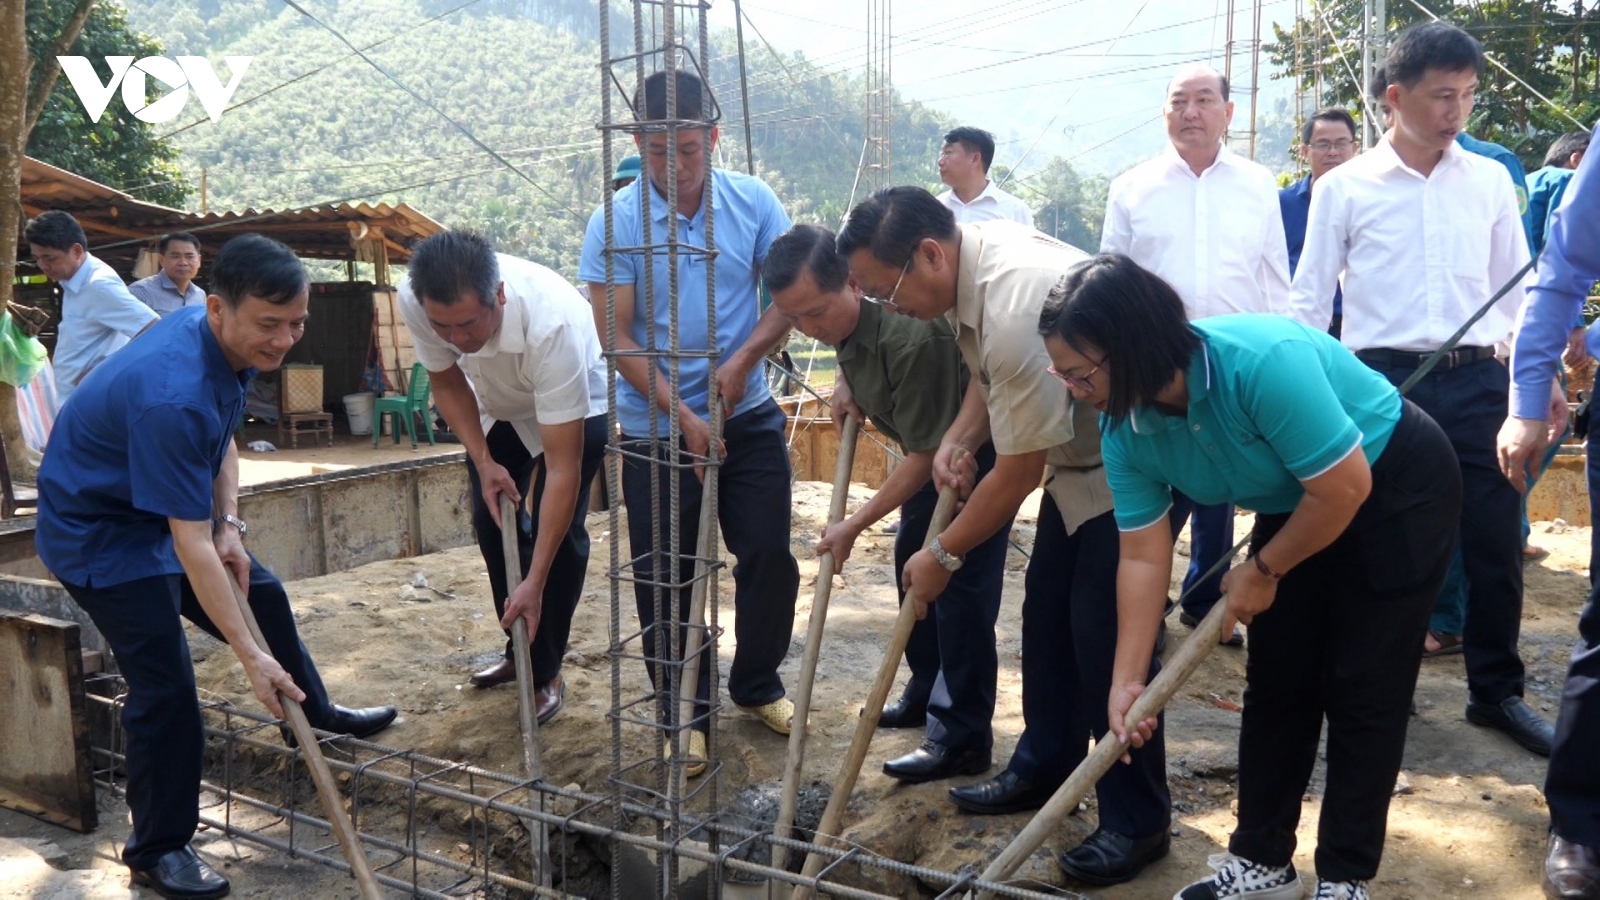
(908, 377)
(138, 518)
(1418, 189)
(753, 479)
(511, 342)
(1567, 269)
(991, 279)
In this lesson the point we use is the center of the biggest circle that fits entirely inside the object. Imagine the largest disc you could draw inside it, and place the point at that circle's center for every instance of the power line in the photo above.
(580, 217)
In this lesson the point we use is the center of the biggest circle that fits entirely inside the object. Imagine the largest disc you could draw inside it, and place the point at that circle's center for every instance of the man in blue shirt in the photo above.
(142, 531)
(753, 480)
(1567, 268)
(1546, 186)
(1327, 139)
(98, 315)
(173, 288)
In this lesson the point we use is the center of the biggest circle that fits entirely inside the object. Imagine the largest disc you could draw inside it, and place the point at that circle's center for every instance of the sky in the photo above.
(1084, 79)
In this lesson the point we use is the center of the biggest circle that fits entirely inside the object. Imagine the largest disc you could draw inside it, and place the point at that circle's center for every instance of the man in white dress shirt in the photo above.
(518, 376)
(964, 163)
(1208, 222)
(1425, 232)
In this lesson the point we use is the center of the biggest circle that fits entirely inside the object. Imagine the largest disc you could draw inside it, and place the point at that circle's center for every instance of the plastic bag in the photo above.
(21, 356)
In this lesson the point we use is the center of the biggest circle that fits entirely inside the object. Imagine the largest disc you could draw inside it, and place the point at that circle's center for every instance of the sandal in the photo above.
(694, 765)
(778, 715)
(1448, 644)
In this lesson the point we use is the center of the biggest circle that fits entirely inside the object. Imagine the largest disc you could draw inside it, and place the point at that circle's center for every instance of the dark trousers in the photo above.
(564, 584)
(1210, 539)
(1469, 403)
(160, 715)
(951, 652)
(1343, 642)
(1572, 782)
(1069, 643)
(753, 507)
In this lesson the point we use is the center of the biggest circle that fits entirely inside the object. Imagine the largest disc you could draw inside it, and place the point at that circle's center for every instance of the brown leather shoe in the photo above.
(1571, 871)
(500, 673)
(548, 700)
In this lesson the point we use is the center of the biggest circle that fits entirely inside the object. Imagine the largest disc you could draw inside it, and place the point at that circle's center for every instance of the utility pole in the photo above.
(1368, 126)
(203, 192)
(1227, 57)
(1255, 73)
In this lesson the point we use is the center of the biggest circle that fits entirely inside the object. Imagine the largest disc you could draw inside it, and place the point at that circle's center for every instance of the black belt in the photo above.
(1412, 359)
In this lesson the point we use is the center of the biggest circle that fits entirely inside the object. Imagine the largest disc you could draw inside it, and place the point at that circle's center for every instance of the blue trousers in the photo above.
(165, 734)
(753, 507)
(1210, 539)
(564, 584)
(1069, 643)
(951, 652)
(1469, 404)
(1572, 781)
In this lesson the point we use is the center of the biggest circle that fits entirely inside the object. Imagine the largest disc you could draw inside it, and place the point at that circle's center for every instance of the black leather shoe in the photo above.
(933, 761)
(1109, 858)
(359, 723)
(1571, 871)
(502, 672)
(182, 873)
(907, 712)
(1517, 719)
(1004, 793)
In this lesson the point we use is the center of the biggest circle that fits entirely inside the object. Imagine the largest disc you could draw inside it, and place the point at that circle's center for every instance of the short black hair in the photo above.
(1431, 45)
(180, 237)
(1127, 313)
(974, 139)
(254, 266)
(807, 248)
(1378, 87)
(691, 99)
(56, 230)
(1328, 114)
(449, 264)
(1566, 145)
(893, 221)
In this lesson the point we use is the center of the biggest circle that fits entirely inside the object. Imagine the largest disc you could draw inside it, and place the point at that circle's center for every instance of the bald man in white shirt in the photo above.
(1208, 222)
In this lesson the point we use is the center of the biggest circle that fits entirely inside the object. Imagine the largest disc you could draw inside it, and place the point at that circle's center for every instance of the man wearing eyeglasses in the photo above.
(1206, 220)
(991, 279)
(1327, 139)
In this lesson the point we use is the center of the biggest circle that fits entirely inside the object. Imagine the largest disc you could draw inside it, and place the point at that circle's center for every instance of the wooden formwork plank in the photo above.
(44, 747)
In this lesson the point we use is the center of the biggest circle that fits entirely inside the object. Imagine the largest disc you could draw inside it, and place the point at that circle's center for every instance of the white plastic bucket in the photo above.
(358, 409)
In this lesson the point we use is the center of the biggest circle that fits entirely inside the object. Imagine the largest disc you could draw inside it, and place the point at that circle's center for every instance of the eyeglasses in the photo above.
(890, 301)
(1343, 146)
(1081, 382)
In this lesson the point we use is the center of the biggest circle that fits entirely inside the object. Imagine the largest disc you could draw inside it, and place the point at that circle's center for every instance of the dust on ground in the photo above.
(1468, 821)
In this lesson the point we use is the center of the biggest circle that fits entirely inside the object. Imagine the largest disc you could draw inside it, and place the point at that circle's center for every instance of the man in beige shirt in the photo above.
(991, 280)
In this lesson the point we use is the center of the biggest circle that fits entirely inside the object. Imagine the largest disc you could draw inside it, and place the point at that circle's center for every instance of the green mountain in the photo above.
(316, 124)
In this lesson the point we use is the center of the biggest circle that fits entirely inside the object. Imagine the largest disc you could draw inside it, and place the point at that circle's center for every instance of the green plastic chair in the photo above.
(405, 409)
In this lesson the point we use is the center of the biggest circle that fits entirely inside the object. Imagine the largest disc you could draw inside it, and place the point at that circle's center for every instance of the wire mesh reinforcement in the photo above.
(437, 828)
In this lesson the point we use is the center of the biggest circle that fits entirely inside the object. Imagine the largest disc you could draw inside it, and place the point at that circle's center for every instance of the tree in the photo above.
(25, 88)
(1065, 204)
(119, 150)
(1550, 44)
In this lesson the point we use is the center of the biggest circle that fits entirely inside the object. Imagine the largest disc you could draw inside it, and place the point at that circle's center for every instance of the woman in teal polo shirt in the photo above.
(1355, 520)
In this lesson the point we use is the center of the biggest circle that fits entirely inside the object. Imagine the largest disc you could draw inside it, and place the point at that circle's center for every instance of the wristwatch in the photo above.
(943, 557)
(227, 519)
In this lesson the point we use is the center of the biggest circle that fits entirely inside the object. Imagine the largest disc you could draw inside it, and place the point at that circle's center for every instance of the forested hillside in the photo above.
(524, 77)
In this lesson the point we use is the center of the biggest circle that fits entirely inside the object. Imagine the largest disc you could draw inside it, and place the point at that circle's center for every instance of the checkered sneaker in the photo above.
(1236, 876)
(1341, 890)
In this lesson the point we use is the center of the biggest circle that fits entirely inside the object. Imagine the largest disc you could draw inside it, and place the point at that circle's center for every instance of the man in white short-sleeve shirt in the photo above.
(519, 379)
(964, 163)
(991, 280)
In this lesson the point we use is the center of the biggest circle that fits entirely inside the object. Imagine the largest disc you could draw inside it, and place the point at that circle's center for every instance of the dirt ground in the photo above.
(1469, 821)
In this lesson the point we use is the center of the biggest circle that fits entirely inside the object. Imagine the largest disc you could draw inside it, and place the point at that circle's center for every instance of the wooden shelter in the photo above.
(344, 328)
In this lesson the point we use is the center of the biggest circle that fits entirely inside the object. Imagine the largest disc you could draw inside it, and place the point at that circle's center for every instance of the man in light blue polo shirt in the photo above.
(753, 480)
(142, 532)
(173, 288)
(98, 315)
